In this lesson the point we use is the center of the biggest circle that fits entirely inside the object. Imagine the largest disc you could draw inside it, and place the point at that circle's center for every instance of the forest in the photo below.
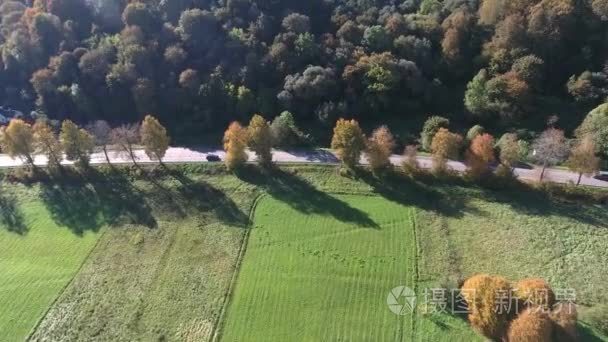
(198, 65)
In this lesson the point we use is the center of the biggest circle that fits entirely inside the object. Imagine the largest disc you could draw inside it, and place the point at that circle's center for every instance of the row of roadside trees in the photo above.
(20, 139)
(480, 150)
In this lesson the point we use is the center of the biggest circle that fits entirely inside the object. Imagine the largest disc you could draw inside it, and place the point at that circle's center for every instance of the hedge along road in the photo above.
(318, 156)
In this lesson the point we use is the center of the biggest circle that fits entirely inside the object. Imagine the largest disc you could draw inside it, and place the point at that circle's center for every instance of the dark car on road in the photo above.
(213, 158)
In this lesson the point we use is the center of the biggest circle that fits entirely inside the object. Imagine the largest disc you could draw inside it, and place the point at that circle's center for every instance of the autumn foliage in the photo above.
(527, 312)
(531, 325)
(480, 154)
(154, 138)
(446, 145)
(535, 292)
(379, 148)
(582, 159)
(17, 140)
(259, 138)
(235, 141)
(348, 141)
(480, 293)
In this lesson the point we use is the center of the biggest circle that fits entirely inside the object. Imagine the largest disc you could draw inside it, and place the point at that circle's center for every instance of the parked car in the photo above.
(213, 158)
(602, 175)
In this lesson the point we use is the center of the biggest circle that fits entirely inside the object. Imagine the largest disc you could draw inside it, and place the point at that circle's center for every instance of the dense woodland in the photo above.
(200, 64)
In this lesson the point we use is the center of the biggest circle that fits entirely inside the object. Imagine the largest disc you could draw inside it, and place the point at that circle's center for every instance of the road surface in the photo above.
(189, 155)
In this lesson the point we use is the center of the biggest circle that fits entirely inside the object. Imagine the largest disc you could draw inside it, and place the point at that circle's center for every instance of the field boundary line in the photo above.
(416, 270)
(65, 287)
(216, 331)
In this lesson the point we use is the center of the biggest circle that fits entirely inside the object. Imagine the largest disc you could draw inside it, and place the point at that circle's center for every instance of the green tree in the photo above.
(375, 38)
(154, 137)
(473, 132)
(259, 139)
(77, 143)
(510, 150)
(476, 98)
(430, 128)
(595, 125)
(348, 141)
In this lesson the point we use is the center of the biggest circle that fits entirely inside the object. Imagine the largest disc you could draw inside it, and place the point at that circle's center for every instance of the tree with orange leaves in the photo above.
(379, 148)
(445, 145)
(235, 141)
(480, 154)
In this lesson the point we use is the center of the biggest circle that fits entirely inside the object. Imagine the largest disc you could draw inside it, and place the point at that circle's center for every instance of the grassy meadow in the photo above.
(39, 256)
(154, 255)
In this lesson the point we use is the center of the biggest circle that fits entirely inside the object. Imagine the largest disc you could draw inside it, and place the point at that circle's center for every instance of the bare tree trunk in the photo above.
(578, 182)
(105, 152)
(132, 154)
(29, 160)
(542, 173)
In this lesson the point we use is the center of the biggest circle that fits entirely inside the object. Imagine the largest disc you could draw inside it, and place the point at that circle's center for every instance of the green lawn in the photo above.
(323, 252)
(326, 274)
(163, 276)
(39, 258)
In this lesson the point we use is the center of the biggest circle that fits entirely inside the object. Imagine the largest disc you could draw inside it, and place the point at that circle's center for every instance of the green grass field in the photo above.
(162, 278)
(137, 256)
(39, 258)
(326, 275)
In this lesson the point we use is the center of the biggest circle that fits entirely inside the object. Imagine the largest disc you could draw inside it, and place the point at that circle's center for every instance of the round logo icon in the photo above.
(401, 300)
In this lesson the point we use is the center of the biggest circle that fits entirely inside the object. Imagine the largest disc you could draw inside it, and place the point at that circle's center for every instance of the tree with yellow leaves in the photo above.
(379, 148)
(259, 139)
(348, 141)
(445, 145)
(154, 138)
(77, 143)
(45, 142)
(17, 140)
(480, 293)
(235, 141)
(583, 160)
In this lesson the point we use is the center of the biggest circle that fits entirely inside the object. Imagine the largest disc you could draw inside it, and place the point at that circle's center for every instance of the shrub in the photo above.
(535, 292)
(430, 128)
(480, 292)
(532, 325)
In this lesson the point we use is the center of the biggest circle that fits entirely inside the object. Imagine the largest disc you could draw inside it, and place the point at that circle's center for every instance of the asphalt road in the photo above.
(188, 155)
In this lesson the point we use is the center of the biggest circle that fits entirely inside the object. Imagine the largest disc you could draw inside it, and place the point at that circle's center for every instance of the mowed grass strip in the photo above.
(322, 276)
(166, 282)
(36, 263)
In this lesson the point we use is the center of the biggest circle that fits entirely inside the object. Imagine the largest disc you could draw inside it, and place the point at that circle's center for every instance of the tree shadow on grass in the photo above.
(86, 204)
(400, 189)
(11, 216)
(203, 197)
(302, 196)
(528, 200)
